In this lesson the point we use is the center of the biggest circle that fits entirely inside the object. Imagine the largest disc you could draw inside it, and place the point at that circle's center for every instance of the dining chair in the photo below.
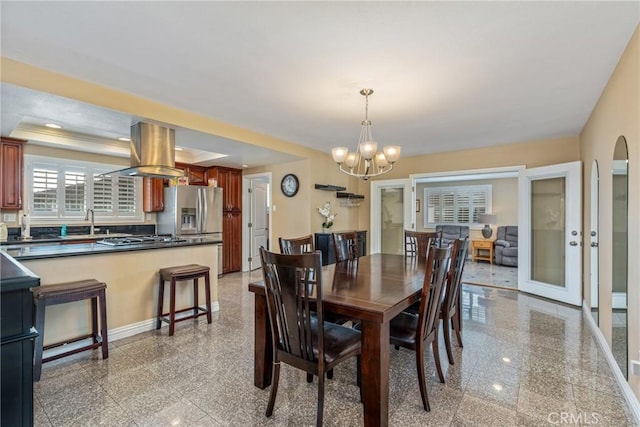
(449, 312)
(346, 245)
(300, 336)
(417, 242)
(296, 245)
(299, 246)
(417, 332)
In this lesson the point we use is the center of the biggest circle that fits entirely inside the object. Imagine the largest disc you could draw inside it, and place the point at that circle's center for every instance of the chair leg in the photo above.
(103, 324)
(309, 378)
(446, 329)
(436, 355)
(421, 379)
(94, 319)
(37, 364)
(359, 376)
(397, 347)
(172, 307)
(457, 328)
(207, 294)
(196, 302)
(330, 374)
(160, 303)
(320, 413)
(275, 378)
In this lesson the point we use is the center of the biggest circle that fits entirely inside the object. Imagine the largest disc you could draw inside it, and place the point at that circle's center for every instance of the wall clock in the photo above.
(289, 185)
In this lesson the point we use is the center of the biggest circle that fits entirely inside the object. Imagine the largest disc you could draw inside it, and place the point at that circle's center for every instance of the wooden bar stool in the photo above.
(69, 292)
(176, 274)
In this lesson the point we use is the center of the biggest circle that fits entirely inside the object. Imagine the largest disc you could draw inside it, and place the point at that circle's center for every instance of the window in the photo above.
(460, 205)
(60, 190)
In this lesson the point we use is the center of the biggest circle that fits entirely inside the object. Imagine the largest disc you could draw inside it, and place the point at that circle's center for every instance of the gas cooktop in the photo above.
(139, 240)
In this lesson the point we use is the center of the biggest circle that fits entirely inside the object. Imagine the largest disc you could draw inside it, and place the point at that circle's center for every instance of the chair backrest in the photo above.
(296, 245)
(438, 260)
(293, 286)
(346, 245)
(454, 278)
(416, 243)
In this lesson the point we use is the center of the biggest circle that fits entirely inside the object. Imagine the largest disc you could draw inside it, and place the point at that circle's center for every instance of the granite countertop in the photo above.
(14, 276)
(54, 249)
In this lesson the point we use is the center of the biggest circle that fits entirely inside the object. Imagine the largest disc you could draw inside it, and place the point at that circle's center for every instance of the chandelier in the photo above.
(366, 161)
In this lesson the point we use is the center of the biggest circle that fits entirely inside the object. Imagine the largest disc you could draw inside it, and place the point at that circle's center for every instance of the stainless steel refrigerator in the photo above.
(191, 210)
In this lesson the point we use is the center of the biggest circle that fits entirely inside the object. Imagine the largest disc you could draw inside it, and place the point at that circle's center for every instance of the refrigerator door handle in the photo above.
(205, 213)
(198, 210)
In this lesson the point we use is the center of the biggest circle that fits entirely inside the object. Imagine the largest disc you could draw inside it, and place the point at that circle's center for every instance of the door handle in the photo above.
(594, 244)
(573, 243)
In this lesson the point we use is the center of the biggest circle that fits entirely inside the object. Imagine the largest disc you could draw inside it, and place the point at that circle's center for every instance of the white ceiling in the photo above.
(446, 75)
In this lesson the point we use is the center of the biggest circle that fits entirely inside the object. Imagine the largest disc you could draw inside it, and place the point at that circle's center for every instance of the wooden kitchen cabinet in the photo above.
(197, 174)
(232, 241)
(153, 194)
(230, 180)
(11, 166)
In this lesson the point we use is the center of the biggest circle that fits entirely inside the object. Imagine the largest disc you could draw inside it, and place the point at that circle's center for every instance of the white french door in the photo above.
(550, 232)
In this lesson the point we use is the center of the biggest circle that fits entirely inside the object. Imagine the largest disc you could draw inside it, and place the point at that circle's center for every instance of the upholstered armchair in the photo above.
(449, 233)
(506, 245)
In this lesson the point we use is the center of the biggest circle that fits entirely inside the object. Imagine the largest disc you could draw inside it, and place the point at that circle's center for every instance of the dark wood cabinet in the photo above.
(153, 194)
(230, 180)
(18, 335)
(11, 166)
(197, 174)
(232, 241)
(324, 243)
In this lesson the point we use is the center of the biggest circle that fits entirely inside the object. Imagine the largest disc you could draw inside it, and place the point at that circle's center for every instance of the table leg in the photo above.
(375, 373)
(263, 349)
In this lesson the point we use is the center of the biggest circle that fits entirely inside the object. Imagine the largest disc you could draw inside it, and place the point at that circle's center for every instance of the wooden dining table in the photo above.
(372, 290)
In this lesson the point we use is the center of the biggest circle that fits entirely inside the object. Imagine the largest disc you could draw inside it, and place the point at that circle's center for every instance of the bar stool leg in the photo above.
(37, 365)
(94, 319)
(103, 324)
(207, 290)
(172, 308)
(160, 303)
(195, 300)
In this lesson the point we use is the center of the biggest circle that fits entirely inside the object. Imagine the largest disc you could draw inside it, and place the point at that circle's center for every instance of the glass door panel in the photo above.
(549, 217)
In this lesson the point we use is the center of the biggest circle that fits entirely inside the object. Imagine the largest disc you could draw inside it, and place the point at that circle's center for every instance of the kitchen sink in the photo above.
(93, 236)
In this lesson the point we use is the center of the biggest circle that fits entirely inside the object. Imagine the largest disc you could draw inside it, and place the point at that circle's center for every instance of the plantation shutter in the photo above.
(45, 191)
(103, 193)
(126, 195)
(75, 196)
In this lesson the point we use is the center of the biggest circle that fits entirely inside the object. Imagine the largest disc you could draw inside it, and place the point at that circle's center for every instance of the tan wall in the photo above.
(616, 113)
(297, 216)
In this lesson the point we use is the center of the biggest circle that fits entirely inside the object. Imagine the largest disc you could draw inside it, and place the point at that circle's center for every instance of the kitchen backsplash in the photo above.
(39, 233)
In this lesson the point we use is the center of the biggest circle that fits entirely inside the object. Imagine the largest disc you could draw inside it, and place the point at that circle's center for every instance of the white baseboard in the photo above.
(631, 398)
(116, 334)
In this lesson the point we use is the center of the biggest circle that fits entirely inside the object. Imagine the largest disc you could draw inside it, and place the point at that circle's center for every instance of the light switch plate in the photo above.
(9, 217)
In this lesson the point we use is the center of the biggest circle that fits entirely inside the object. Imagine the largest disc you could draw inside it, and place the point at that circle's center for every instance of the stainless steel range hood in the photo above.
(152, 152)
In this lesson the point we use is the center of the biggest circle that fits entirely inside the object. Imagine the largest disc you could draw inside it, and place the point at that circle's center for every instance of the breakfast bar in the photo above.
(131, 275)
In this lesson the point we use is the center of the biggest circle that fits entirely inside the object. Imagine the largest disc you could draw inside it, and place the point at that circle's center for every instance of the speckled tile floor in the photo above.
(526, 362)
(484, 273)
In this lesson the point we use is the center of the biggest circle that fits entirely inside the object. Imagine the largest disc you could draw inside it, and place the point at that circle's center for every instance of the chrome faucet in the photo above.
(86, 217)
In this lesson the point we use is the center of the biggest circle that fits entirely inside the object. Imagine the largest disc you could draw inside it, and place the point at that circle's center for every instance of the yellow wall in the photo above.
(616, 113)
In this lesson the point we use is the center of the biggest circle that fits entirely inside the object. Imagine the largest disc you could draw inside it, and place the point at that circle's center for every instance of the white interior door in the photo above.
(259, 223)
(391, 202)
(550, 232)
